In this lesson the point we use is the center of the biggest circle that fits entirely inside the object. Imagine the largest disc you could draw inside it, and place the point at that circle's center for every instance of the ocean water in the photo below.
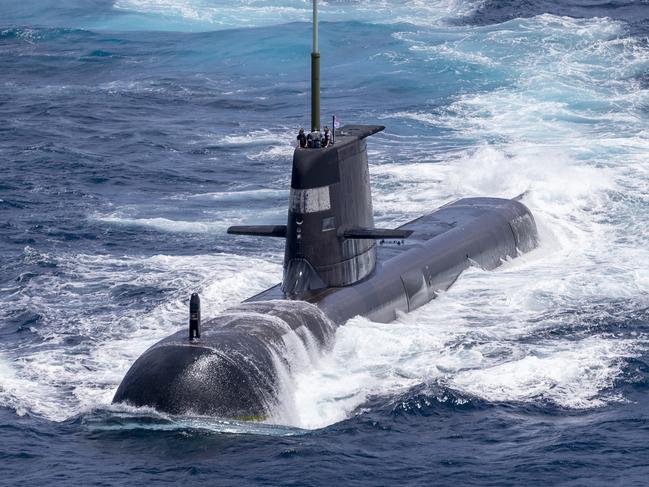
(134, 132)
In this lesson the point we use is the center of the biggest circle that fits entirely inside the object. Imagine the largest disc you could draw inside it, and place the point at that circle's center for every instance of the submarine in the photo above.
(337, 265)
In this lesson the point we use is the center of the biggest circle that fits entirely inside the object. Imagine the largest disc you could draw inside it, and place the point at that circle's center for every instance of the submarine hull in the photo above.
(236, 368)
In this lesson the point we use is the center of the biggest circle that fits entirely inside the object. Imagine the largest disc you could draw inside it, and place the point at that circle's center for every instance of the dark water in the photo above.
(134, 132)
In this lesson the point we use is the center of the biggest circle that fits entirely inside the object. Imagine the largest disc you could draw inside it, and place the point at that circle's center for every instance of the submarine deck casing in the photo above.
(233, 370)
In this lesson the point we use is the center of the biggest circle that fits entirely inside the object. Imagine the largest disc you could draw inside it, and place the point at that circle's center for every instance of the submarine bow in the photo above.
(235, 369)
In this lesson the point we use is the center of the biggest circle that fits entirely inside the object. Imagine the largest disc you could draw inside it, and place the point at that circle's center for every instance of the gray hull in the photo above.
(235, 369)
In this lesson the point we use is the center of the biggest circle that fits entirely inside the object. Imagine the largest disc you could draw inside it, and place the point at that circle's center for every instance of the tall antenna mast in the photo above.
(315, 74)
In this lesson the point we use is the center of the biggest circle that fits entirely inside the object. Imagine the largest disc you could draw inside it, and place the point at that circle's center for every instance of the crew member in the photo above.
(301, 138)
(326, 140)
(314, 140)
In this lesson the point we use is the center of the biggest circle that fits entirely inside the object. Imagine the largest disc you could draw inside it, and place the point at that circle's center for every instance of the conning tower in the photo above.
(330, 206)
(330, 229)
(330, 234)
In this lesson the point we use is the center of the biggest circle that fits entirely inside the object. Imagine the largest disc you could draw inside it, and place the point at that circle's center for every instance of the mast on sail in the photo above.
(315, 74)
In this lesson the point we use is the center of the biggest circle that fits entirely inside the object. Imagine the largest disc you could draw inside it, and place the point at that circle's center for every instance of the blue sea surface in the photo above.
(134, 132)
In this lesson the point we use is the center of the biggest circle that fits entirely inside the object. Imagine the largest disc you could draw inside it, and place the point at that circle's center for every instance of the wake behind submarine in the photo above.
(337, 265)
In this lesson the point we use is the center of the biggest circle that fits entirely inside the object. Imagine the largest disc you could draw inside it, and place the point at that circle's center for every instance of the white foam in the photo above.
(123, 417)
(261, 194)
(256, 137)
(21, 394)
(569, 374)
(263, 145)
(253, 13)
(57, 379)
(569, 134)
(218, 226)
(165, 224)
(278, 152)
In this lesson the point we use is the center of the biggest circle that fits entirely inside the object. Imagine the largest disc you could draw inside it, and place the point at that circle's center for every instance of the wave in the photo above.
(261, 194)
(203, 14)
(125, 419)
(165, 224)
(90, 332)
(565, 127)
(429, 400)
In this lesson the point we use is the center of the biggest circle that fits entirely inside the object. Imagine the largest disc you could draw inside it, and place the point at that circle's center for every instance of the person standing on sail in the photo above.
(301, 139)
(326, 140)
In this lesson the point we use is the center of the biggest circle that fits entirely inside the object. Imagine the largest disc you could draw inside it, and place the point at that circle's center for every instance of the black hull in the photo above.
(235, 369)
